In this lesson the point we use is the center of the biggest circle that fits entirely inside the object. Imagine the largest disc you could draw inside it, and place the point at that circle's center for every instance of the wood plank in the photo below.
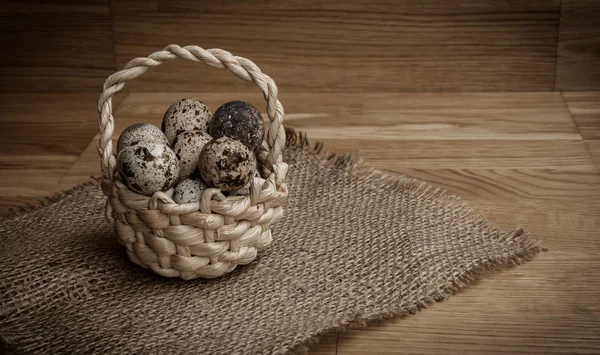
(578, 59)
(46, 124)
(499, 130)
(585, 109)
(41, 136)
(514, 186)
(59, 46)
(469, 154)
(349, 46)
(447, 116)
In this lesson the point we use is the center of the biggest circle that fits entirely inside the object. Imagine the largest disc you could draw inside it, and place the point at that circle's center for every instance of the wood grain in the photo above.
(57, 46)
(425, 117)
(340, 46)
(349, 46)
(47, 123)
(327, 345)
(594, 150)
(86, 166)
(513, 186)
(517, 159)
(41, 136)
(585, 109)
(479, 154)
(578, 53)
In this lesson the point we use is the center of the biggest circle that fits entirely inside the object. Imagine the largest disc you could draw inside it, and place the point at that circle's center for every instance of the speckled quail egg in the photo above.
(187, 148)
(138, 132)
(227, 164)
(244, 191)
(185, 115)
(148, 167)
(189, 190)
(238, 120)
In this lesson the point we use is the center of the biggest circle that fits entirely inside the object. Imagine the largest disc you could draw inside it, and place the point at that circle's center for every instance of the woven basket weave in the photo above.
(208, 238)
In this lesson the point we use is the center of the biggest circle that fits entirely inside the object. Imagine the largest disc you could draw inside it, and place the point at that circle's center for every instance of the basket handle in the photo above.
(271, 148)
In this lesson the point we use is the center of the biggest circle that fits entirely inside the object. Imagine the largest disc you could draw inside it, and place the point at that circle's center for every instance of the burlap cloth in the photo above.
(355, 245)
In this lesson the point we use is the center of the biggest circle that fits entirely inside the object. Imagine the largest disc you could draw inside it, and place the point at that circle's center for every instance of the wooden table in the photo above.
(521, 159)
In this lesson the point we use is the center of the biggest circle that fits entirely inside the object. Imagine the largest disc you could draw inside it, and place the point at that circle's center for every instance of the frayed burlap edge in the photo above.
(378, 179)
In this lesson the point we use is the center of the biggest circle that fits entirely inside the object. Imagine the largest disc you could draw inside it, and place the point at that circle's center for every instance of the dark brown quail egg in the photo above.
(185, 115)
(139, 132)
(226, 164)
(189, 190)
(148, 167)
(238, 120)
(187, 148)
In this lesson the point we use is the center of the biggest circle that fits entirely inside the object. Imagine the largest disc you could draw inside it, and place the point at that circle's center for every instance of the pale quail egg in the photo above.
(140, 132)
(148, 167)
(185, 115)
(226, 164)
(189, 190)
(238, 120)
(187, 148)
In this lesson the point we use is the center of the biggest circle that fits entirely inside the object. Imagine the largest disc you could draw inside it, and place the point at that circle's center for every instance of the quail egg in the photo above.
(138, 132)
(187, 148)
(227, 164)
(148, 167)
(189, 190)
(185, 115)
(238, 120)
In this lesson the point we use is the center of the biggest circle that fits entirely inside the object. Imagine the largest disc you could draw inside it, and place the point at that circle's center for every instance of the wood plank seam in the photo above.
(555, 56)
(571, 114)
(587, 148)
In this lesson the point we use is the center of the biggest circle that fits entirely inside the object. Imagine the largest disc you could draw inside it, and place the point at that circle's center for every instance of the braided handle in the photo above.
(271, 149)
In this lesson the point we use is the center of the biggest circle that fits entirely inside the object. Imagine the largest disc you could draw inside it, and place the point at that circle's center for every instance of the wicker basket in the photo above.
(207, 238)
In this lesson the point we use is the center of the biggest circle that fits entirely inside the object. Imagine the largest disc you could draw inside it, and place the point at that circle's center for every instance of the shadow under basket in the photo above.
(211, 237)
